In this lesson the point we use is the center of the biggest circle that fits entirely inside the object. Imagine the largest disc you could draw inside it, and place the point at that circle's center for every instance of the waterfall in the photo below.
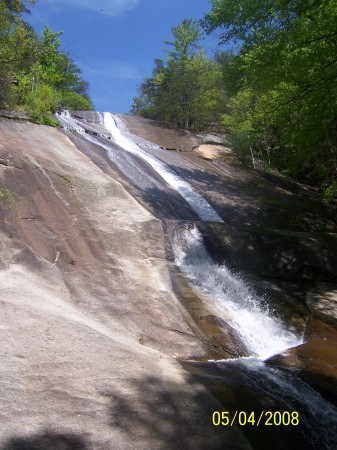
(231, 298)
(123, 139)
(227, 294)
(69, 122)
(195, 200)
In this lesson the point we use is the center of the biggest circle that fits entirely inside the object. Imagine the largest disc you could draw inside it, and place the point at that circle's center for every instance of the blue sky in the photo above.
(115, 42)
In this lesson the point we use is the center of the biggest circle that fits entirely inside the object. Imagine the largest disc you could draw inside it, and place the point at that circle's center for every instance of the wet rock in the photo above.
(273, 253)
(88, 295)
(315, 362)
(322, 302)
(87, 310)
(164, 137)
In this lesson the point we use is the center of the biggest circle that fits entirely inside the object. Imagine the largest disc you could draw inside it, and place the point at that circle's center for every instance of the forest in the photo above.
(35, 75)
(271, 85)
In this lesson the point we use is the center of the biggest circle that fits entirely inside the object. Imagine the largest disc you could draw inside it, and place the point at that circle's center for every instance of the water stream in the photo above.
(196, 201)
(227, 294)
(233, 300)
(113, 124)
(248, 384)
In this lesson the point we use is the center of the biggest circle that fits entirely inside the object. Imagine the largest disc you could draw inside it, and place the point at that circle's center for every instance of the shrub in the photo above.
(6, 196)
(44, 99)
(330, 193)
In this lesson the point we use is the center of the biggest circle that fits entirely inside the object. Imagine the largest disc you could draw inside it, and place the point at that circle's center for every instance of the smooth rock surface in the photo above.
(93, 315)
(90, 325)
(212, 151)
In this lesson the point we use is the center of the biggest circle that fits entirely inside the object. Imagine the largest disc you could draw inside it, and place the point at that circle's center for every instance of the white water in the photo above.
(69, 122)
(124, 140)
(195, 200)
(271, 386)
(231, 298)
(227, 294)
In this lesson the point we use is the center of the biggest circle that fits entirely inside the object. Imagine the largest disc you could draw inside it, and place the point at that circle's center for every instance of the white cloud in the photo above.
(113, 69)
(106, 7)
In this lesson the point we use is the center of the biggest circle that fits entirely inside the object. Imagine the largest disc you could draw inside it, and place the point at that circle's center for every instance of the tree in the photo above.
(287, 61)
(148, 104)
(187, 36)
(17, 41)
(34, 74)
(185, 90)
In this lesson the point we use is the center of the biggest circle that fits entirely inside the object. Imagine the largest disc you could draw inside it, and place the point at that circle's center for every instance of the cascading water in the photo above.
(126, 142)
(231, 298)
(70, 123)
(251, 386)
(247, 384)
(227, 294)
(196, 201)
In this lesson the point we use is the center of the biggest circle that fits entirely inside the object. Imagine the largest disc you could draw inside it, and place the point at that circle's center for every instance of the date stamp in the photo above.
(265, 418)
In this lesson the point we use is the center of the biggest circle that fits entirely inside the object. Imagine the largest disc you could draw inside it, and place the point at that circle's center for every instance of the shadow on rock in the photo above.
(166, 203)
(241, 195)
(175, 415)
(47, 440)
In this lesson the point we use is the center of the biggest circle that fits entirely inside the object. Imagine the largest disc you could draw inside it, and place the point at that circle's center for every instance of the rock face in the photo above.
(322, 302)
(94, 314)
(279, 235)
(316, 360)
(150, 129)
(213, 151)
(90, 325)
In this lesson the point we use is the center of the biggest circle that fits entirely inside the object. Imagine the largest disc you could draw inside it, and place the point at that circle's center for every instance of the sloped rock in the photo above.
(83, 278)
(322, 302)
(315, 362)
(212, 151)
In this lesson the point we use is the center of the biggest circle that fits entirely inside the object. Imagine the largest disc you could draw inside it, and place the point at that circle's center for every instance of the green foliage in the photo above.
(43, 99)
(330, 193)
(187, 35)
(239, 121)
(16, 48)
(287, 62)
(186, 89)
(34, 74)
(43, 119)
(41, 102)
(77, 102)
(7, 197)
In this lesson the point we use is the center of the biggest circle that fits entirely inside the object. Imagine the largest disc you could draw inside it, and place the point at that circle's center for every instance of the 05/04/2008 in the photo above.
(266, 418)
